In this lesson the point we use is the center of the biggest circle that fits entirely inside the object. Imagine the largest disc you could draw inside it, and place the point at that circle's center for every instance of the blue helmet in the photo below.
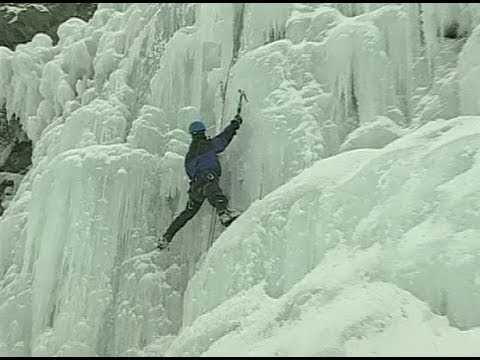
(196, 127)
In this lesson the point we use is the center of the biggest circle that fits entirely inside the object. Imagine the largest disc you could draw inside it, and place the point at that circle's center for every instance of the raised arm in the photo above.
(221, 141)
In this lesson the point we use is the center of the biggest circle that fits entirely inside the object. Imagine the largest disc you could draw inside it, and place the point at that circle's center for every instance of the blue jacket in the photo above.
(202, 155)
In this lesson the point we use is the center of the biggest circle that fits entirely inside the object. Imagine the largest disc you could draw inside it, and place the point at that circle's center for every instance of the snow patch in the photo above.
(374, 135)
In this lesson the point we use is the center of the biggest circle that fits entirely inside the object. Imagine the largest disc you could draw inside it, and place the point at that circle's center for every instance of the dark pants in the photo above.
(203, 187)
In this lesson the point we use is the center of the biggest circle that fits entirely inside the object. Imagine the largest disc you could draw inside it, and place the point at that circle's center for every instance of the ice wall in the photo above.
(107, 110)
(65, 271)
(346, 235)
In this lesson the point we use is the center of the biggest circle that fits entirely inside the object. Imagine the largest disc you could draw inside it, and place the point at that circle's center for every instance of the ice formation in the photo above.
(357, 166)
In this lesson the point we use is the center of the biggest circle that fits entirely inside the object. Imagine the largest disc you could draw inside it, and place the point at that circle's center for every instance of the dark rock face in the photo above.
(15, 147)
(20, 158)
(19, 22)
(15, 156)
(4, 185)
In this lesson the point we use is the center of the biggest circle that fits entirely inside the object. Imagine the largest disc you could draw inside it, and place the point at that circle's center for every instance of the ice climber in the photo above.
(204, 171)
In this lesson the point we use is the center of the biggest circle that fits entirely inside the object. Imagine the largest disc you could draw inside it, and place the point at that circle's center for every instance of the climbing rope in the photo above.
(224, 86)
(238, 21)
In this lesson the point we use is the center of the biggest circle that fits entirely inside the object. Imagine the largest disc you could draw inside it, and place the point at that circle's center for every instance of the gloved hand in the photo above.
(237, 120)
(163, 243)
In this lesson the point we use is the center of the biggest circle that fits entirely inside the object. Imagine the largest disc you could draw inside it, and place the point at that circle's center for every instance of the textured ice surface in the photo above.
(357, 166)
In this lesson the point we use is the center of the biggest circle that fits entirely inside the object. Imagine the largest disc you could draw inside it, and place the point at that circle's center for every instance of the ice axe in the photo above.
(242, 96)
